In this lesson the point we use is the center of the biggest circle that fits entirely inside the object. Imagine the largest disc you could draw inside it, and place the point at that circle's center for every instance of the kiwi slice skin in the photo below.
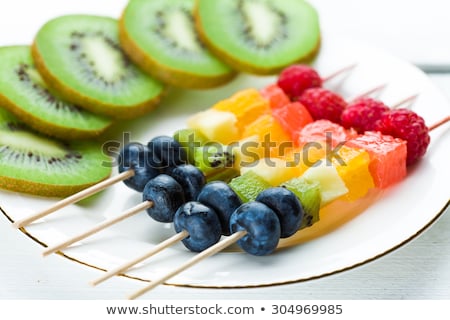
(231, 53)
(23, 93)
(189, 76)
(137, 93)
(35, 164)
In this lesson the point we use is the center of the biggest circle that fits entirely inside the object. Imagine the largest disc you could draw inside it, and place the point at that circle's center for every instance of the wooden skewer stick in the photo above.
(196, 259)
(74, 198)
(339, 72)
(161, 246)
(376, 89)
(407, 101)
(439, 123)
(107, 223)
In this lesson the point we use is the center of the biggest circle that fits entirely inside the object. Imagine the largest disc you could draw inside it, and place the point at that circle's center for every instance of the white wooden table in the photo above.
(418, 270)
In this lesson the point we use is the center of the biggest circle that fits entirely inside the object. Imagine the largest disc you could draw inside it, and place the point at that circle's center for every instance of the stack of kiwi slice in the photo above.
(73, 83)
(84, 73)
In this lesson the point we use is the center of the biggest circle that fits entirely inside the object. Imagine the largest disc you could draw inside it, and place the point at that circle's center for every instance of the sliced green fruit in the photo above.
(24, 93)
(248, 186)
(190, 139)
(160, 37)
(35, 164)
(212, 157)
(80, 57)
(259, 36)
(225, 175)
(308, 192)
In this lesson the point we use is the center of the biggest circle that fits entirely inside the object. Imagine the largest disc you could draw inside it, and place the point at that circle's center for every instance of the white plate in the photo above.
(399, 214)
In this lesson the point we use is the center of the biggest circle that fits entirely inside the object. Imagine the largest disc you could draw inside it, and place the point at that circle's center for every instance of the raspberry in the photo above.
(363, 114)
(323, 104)
(409, 126)
(294, 80)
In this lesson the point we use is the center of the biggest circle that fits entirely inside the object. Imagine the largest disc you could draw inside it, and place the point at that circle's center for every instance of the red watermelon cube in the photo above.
(276, 96)
(387, 157)
(293, 117)
(325, 131)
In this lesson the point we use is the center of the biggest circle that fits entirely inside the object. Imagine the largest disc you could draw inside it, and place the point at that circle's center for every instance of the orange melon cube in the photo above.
(271, 135)
(353, 167)
(247, 105)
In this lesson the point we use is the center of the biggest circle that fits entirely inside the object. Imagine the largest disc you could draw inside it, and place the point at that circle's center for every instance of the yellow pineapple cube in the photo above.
(217, 126)
(247, 105)
(332, 186)
(273, 170)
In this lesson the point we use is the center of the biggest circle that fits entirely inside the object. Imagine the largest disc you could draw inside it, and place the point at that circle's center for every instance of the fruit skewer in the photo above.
(168, 242)
(143, 206)
(135, 151)
(123, 176)
(146, 204)
(129, 264)
(237, 235)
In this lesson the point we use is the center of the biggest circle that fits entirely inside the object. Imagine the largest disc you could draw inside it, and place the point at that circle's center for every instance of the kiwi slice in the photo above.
(160, 37)
(35, 164)
(259, 36)
(24, 93)
(80, 57)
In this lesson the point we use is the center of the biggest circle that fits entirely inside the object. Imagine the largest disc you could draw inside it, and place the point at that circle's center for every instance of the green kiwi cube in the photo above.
(225, 175)
(190, 139)
(308, 192)
(212, 157)
(248, 186)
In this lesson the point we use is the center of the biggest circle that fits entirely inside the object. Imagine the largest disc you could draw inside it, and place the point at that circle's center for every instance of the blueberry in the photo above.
(167, 152)
(219, 196)
(167, 196)
(190, 178)
(134, 156)
(287, 207)
(262, 226)
(202, 224)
